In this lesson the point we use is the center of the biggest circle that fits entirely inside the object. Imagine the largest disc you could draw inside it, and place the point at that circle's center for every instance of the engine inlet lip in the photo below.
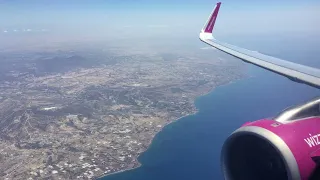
(282, 148)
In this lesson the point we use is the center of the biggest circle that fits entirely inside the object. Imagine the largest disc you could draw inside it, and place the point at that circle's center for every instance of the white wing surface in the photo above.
(293, 71)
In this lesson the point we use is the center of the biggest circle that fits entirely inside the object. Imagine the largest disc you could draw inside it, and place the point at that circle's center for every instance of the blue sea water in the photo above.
(190, 147)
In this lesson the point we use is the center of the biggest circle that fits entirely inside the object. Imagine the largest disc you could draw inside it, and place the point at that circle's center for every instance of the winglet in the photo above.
(206, 31)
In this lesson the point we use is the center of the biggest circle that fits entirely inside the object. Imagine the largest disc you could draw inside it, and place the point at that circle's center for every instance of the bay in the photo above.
(190, 147)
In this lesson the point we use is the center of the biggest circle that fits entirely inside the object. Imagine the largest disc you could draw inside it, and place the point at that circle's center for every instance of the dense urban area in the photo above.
(72, 112)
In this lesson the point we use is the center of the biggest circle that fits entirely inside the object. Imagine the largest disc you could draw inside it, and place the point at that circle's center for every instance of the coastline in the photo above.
(117, 172)
(170, 122)
(149, 143)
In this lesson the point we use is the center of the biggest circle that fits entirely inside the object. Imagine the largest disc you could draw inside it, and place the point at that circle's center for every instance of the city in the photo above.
(84, 114)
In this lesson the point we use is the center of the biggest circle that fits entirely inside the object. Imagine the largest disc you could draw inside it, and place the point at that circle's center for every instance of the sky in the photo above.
(115, 19)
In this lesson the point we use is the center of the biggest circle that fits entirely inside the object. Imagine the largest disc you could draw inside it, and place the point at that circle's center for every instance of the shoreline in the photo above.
(176, 120)
(139, 164)
(117, 172)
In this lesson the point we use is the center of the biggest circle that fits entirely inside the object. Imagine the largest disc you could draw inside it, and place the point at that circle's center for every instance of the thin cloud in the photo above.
(205, 48)
(158, 26)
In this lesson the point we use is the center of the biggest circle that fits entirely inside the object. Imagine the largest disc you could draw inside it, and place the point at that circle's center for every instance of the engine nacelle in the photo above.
(284, 147)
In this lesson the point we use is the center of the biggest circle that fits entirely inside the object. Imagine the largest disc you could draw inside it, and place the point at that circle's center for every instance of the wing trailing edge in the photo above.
(296, 72)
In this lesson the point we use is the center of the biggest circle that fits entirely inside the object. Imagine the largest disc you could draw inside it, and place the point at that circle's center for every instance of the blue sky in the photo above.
(156, 18)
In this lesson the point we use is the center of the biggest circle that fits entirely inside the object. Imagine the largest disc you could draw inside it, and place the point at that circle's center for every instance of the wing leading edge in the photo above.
(293, 71)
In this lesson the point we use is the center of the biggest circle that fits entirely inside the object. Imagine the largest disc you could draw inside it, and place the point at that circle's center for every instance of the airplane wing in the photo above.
(293, 71)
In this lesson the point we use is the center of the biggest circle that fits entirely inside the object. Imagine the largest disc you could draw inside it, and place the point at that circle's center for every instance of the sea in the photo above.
(189, 148)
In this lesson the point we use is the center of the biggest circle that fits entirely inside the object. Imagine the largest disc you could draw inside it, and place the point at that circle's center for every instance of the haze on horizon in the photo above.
(157, 19)
(162, 25)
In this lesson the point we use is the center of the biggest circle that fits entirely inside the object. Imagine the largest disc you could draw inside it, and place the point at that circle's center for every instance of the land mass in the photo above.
(71, 113)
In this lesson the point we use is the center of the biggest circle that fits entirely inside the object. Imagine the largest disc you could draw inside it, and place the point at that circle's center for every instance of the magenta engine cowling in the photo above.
(285, 147)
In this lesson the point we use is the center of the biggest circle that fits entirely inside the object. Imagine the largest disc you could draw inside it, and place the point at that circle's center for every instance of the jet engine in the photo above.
(286, 147)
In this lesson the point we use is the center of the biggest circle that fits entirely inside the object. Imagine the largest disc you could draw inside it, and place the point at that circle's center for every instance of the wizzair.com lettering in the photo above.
(313, 140)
